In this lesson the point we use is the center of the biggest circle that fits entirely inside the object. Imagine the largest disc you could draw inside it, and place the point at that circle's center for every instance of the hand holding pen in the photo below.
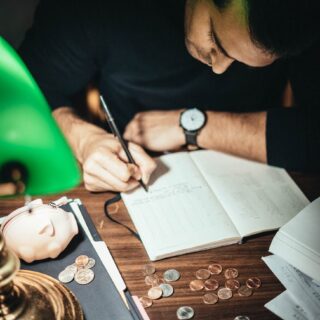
(117, 134)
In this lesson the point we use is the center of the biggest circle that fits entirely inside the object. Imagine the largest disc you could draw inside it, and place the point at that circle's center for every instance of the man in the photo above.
(141, 55)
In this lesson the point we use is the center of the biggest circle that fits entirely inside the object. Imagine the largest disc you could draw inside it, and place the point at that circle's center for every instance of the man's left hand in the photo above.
(156, 130)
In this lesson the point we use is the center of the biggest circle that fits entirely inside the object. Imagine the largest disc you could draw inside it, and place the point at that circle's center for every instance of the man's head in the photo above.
(253, 32)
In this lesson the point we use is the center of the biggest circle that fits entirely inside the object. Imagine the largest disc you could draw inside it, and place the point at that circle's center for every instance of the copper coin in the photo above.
(155, 293)
(151, 280)
(215, 268)
(253, 283)
(244, 291)
(224, 293)
(149, 269)
(146, 302)
(196, 285)
(210, 298)
(82, 261)
(231, 273)
(211, 284)
(203, 274)
(232, 284)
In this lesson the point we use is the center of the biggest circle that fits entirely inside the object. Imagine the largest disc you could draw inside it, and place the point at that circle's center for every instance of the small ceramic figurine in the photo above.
(39, 231)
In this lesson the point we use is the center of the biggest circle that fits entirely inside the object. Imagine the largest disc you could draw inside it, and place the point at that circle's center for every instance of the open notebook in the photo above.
(205, 199)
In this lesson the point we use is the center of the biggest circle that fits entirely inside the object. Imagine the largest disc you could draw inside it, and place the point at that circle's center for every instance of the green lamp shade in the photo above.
(29, 136)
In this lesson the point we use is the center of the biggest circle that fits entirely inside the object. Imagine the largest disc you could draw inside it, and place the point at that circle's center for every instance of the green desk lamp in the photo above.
(34, 155)
(34, 159)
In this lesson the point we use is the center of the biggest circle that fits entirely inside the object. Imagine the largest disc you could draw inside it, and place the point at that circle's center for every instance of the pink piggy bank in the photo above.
(42, 233)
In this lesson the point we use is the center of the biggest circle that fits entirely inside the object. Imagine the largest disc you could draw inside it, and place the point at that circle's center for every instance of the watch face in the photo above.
(192, 119)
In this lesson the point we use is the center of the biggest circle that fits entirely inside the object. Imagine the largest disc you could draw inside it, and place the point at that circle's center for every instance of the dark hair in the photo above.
(281, 27)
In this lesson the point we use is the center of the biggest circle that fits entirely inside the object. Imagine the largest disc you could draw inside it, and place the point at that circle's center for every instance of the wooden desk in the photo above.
(130, 257)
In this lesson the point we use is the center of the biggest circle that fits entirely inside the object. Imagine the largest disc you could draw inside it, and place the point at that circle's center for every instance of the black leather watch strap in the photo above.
(191, 137)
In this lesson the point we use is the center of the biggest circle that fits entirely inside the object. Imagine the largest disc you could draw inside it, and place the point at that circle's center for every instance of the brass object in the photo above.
(32, 295)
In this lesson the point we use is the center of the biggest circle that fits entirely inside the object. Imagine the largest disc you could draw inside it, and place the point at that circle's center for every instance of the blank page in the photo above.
(257, 197)
(179, 212)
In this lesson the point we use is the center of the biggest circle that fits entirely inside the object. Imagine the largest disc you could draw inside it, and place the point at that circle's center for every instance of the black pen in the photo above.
(117, 134)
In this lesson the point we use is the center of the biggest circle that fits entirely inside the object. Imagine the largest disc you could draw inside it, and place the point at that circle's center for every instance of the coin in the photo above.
(149, 269)
(253, 283)
(72, 268)
(66, 276)
(171, 275)
(244, 291)
(185, 313)
(232, 284)
(82, 261)
(167, 289)
(151, 280)
(91, 263)
(146, 302)
(84, 276)
(224, 293)
(211, 284)
(215, 268)
(210, 298)
(196, 285)
(155, 293)
(241, 318)
(203, 274)
(231, 273)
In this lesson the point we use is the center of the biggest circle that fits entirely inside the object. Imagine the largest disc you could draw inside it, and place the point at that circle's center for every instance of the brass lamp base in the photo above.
(44, 298)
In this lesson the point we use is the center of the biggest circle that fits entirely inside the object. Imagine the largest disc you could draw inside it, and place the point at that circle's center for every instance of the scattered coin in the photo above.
(241, 318)
(196, 285)
(149, 269)
(210, 298)
(171, 275)
(91, 263)
(155, 293)
(224, 293)
(211, 284)
(151, 280)
(232, 284)
(84, 276)
(185, 313)
(82, 261)
(167, 289)
(146, 302)
(253, 283)
(66, 276)
(231, 273)
(72, 268)
(203, 274)
(244, 291)
(215, 268)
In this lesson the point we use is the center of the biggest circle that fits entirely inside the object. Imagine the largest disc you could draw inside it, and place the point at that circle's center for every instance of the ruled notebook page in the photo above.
(257, 197)
(179, 213)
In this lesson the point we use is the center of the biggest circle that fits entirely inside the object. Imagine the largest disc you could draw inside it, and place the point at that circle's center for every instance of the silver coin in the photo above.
(91, 263)
(171, 275)
(72, 268)
(241, 318)
(66, 276)
(84, 276)
(167, 289)
(184, 313)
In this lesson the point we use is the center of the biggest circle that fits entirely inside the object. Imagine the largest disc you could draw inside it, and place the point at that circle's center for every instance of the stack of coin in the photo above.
(80, 271)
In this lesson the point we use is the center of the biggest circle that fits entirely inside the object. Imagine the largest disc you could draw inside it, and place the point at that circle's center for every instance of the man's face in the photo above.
(219, 37)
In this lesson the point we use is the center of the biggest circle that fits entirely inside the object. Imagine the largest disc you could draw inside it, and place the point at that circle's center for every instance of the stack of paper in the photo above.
(296, 263)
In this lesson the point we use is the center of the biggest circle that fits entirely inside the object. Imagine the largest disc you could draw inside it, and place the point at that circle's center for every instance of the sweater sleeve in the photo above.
(293, 134)
(57, 51)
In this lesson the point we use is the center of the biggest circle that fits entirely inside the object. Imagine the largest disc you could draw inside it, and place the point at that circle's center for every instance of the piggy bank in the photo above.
(39, 231)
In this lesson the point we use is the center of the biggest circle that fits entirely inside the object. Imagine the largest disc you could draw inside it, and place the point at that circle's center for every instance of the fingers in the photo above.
(145, 163)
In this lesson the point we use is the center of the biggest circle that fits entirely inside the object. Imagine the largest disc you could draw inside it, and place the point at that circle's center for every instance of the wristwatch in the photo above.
(192, 121)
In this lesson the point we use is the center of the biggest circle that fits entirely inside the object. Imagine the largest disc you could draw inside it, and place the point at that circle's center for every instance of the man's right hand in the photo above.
(104, 162)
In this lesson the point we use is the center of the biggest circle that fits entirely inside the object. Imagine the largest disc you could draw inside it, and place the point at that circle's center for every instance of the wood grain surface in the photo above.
(130, 257)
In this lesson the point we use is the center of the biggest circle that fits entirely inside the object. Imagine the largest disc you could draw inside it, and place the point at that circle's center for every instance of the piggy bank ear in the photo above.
(44, 226)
